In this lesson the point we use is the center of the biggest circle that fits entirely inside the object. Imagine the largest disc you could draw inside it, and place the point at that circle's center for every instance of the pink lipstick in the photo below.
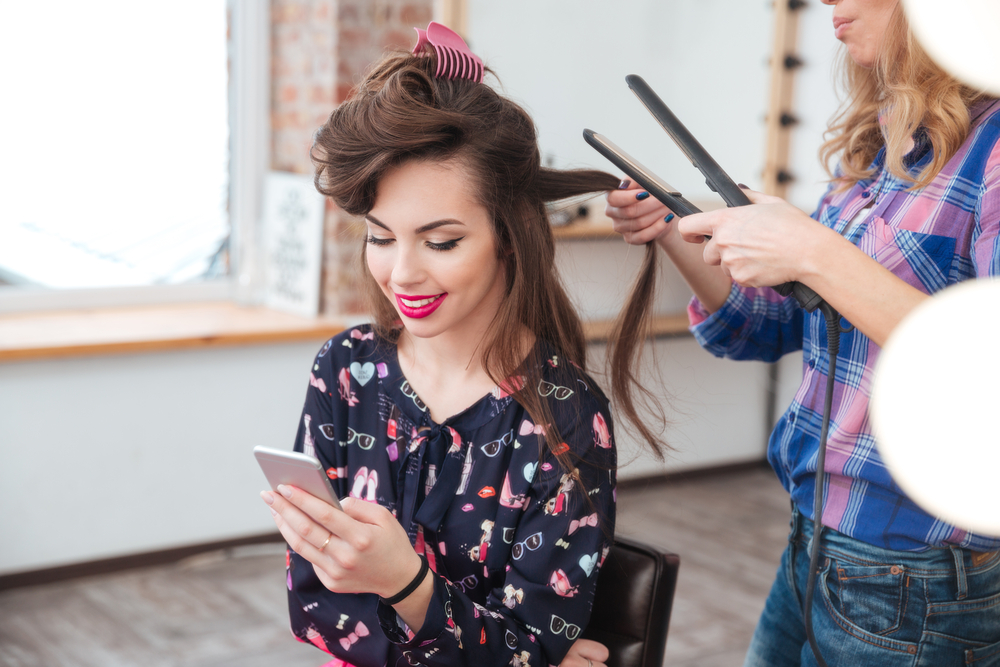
(417, 307)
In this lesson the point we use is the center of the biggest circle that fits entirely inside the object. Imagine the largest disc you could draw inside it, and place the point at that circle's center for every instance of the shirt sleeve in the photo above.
(555, 553)
(986, 243)
(755, 323)
(315, 611)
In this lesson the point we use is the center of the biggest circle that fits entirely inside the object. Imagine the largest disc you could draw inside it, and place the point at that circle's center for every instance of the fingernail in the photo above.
(669, 218)
(273, 513)
(624, 184)
(743, 187)
(268, 497)
(285, 491)
(642, 195)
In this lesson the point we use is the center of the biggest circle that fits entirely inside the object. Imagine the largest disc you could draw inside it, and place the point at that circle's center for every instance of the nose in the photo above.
(408, 270)
(829, 2)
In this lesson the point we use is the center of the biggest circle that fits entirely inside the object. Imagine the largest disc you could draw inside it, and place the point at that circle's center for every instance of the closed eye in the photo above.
(446, 245)
(376, 241)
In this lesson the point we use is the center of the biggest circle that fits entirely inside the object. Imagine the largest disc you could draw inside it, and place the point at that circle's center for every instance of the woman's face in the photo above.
(431, 250)
(860, 25)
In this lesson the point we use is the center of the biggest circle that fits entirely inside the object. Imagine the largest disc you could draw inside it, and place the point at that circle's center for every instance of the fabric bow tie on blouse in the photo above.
(428, 495)
(454, 59)
(591, 520)
(361, 630)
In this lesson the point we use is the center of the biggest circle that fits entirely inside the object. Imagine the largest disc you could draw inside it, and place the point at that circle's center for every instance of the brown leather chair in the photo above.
(635, 592)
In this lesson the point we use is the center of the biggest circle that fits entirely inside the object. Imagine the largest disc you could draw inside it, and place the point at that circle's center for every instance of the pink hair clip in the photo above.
(455, 60)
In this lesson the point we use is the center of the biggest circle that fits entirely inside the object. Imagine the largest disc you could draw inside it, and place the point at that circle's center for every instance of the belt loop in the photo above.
(795, 523)
(960, 580)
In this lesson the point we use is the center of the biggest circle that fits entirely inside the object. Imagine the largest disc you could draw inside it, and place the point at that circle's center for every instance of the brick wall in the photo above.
(319, 50)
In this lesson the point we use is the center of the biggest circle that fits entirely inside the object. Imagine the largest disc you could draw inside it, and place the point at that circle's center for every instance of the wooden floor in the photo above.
(228, 608)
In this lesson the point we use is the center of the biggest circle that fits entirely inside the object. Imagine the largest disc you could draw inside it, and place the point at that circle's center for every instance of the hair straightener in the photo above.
(720, 182)
(716, 178)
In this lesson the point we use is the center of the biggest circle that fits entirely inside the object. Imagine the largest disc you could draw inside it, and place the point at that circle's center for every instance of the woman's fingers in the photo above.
(309, 525)
(638, 217)
(585, 653)
(694, 228)
(592, 650)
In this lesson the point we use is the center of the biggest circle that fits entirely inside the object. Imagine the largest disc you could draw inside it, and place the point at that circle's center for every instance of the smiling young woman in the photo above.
(463, 414)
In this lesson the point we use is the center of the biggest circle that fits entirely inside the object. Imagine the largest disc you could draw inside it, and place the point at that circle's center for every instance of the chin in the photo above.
(422, 328)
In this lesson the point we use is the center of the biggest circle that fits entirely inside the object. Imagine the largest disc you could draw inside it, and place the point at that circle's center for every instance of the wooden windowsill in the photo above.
(75, 333)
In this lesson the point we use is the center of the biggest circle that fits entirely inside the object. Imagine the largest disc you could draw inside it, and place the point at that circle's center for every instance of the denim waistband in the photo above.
(950, 561)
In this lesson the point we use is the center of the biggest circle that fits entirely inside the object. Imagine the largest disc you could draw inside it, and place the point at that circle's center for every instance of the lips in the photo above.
(417, 307)
(839, 26)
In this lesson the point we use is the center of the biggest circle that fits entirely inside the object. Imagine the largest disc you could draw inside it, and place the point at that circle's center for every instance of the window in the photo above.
(133, 136)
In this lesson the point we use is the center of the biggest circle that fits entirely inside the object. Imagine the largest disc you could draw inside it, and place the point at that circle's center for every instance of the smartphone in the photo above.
(296, 469)
(652, 183)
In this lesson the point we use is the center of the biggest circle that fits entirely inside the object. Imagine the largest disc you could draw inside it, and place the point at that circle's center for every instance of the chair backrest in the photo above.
(635, 592)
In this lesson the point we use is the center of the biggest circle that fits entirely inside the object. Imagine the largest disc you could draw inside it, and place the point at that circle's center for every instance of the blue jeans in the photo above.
(874, 606)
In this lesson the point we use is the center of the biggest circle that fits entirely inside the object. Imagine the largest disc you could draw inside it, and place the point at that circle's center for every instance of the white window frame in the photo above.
(250, 139)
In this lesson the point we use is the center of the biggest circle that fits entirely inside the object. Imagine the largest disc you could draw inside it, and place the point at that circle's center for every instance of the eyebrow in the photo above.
(420, 230)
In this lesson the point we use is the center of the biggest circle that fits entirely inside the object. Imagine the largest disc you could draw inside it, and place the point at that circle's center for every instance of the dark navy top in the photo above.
(514, 544)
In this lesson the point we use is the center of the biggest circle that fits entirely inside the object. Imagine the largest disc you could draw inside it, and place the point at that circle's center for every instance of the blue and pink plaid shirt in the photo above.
(939, 235)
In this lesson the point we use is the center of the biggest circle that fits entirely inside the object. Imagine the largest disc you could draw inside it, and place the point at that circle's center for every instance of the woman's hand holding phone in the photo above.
(359, 549)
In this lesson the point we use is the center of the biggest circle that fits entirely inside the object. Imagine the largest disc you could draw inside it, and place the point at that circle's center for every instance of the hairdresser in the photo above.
(914, 206)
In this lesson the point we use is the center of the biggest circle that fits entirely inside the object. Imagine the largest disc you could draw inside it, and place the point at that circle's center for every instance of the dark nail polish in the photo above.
(669, 218)
(624, 184)
(642, 195)
(742, 187)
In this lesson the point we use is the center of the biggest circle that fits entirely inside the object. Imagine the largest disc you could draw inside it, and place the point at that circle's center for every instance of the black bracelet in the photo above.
(410, 587)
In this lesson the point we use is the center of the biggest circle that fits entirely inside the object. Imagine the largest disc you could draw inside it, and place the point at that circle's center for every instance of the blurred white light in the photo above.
(936, 402)
(961, 36)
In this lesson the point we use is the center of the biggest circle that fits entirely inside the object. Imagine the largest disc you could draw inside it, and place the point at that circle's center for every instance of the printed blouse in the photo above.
(515, 542)
(939, 235)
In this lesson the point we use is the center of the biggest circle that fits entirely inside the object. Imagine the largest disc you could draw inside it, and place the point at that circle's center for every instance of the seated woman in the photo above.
(460, 426)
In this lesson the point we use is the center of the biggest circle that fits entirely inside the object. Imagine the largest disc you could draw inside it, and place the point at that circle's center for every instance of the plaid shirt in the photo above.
(939, 235)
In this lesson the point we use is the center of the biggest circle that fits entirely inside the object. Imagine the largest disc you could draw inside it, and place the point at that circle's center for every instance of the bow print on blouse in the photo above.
(360, 630)
(574, 525)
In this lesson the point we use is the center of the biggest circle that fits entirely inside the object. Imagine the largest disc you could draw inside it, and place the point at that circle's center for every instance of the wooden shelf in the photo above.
(74, 333)
(585, 230)
(675, 324)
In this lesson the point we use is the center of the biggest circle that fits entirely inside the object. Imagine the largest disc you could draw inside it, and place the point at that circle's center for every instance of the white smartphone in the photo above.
(296, 469)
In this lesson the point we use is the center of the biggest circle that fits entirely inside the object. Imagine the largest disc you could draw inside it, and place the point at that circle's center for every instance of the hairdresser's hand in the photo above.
(765, 244)
(637, 216)
(368, 550)
(585, 653)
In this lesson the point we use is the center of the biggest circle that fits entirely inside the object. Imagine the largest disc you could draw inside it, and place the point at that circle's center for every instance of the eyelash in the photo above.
(440, 247)
(447, 245)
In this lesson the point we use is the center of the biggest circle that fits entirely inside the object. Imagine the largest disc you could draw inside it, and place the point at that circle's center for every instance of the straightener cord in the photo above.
(833, 346)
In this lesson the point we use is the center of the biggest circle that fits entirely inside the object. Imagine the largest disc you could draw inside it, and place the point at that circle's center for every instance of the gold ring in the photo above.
(327, 541)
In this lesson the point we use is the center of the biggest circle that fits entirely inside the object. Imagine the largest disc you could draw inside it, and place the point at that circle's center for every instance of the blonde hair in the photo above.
(911, 91)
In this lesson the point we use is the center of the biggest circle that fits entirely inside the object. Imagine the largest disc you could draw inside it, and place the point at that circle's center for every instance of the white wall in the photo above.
(109, 456)
(566, 61)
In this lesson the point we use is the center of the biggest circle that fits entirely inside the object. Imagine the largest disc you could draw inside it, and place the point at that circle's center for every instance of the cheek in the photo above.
(379, 266)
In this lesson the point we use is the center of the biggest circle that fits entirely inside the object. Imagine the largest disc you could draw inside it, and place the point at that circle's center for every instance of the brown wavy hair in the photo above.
(911, 91)
(401, 112)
